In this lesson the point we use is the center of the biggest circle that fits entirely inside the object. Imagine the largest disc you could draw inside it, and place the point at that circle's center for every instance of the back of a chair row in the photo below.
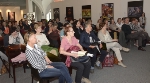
(14, 50)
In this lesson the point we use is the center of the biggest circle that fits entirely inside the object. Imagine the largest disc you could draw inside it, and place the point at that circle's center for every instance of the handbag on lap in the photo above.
(79, 59)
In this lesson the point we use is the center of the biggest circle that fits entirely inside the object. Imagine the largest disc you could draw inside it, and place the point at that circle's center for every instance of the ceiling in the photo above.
(21, 3)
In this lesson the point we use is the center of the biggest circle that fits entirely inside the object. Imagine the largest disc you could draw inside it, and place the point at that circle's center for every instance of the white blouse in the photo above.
(42, 40)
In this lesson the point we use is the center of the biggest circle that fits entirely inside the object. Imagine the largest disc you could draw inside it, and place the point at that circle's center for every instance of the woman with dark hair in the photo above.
(78, 29)
(113, 44)
(142, 20)
(53, 36)
(15, 37)
(119, 23)
(38, 60)
(49, 27)
(83, 68)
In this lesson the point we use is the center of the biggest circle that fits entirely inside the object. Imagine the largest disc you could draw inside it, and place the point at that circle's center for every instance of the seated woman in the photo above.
(38, 60)
(15, 37)
(119, 23)
(42, 41)
(83, 69)
(114, 28)
(87, 38)
(78, 29)
(53, 36)
(4, 57)
(113, 44)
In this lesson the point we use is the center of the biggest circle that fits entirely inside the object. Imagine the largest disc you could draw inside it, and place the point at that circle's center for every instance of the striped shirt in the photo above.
(35, 56)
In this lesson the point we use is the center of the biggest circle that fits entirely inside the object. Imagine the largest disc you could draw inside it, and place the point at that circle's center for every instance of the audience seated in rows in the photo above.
(131, 34)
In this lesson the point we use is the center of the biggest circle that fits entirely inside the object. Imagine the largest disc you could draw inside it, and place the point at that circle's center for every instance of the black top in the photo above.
(59, 25)
(26, 27)
(77, 33)
(126, 29)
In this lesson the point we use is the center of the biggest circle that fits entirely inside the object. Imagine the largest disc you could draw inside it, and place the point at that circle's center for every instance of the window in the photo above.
(48, 15)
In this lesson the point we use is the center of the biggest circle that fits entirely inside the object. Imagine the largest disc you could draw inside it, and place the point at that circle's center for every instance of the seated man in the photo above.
(131, 34)
(88, 37)
(38, 60)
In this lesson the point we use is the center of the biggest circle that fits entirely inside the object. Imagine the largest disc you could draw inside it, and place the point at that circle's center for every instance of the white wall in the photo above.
(120, 8)
(5, 9)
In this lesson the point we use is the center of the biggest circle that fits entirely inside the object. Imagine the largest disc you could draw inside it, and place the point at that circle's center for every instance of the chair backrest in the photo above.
(14, 50)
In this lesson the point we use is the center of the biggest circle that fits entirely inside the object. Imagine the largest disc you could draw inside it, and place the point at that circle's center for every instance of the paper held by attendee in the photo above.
(82, 53)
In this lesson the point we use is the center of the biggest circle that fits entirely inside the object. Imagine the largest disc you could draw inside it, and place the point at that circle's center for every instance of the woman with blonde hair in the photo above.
(42, 41)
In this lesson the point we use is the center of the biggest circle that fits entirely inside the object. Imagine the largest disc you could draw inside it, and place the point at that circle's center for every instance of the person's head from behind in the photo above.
(133, 20)
(88, 27)
(126, 20)
(55, 27)
(37, 28)
(119, 20)
(69, 31)
(102, 26)
(30, 38)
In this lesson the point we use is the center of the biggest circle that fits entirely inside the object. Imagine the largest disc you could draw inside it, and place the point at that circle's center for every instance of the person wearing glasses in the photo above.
(83, 69)
(38, 60)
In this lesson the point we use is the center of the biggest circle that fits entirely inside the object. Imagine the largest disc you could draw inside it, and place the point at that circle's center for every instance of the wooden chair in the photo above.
(13, 51)
(35, 75)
